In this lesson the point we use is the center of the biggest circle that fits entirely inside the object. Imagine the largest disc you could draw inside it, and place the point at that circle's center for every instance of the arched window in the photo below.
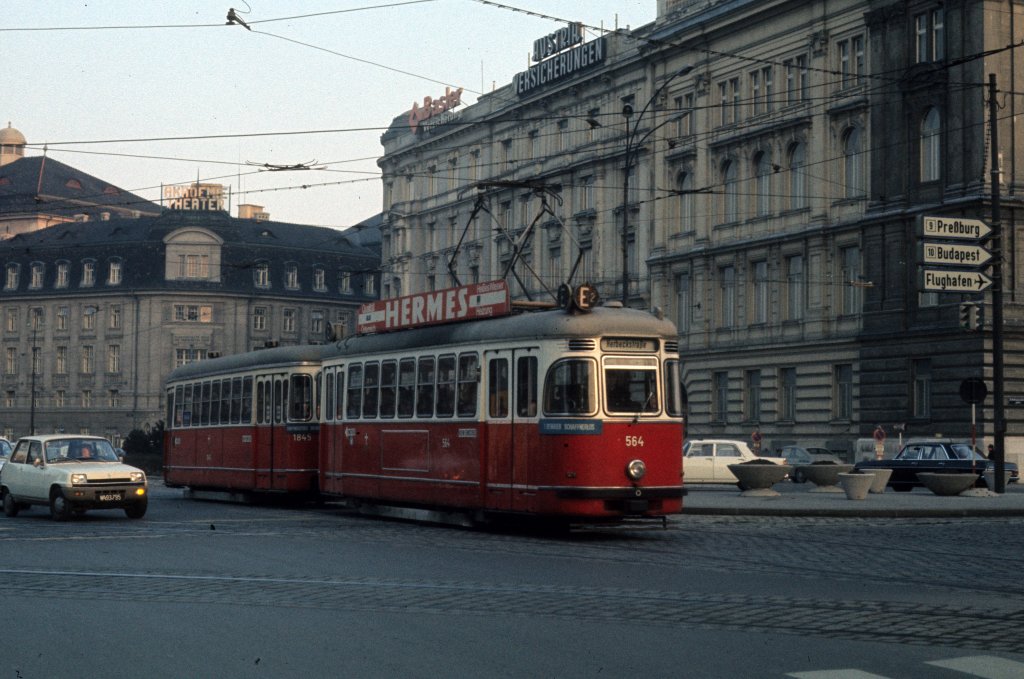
(853, 163)
(730, 194)
(797, 176)
(930, 146)
(763, 184)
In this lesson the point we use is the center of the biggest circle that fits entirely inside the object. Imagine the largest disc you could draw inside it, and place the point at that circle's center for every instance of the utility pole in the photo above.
(999, 408)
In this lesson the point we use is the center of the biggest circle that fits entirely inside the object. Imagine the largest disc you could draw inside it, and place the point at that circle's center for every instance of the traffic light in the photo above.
(970, 316)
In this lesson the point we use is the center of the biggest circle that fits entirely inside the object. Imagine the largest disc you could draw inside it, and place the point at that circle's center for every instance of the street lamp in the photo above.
(632, 143)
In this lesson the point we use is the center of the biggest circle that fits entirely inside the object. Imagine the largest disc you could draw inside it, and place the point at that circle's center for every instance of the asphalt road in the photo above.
(205, 589)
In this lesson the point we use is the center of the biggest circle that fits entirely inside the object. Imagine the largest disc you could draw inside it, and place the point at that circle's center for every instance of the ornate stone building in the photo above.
(756, 169)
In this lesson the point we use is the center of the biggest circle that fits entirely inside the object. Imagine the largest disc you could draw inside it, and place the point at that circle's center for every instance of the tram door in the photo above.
(271, 433)
(512, 427)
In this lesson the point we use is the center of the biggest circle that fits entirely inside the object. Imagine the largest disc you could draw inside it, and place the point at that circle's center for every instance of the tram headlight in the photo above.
(636, 470)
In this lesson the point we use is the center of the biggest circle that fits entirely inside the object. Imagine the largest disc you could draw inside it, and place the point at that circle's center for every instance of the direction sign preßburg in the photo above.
(957, 228)
(948, 280)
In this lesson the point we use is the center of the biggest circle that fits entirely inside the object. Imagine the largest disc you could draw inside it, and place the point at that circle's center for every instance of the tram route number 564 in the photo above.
(634, 441)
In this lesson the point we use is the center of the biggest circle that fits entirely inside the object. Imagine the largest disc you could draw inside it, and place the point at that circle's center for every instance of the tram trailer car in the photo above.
(546, 413)
(245, 423)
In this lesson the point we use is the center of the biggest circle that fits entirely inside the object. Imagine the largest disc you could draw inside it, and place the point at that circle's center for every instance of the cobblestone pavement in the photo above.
(797, 550)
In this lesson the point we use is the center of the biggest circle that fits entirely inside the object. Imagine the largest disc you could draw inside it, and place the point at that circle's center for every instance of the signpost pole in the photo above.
(999, 407)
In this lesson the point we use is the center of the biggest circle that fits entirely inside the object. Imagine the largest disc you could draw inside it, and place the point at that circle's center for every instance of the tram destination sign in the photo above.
(948, 280)
(954, 253)
(465, 303)
(956, 228)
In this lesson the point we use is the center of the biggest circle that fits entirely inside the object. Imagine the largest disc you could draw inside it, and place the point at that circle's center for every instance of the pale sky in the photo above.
(360, 64)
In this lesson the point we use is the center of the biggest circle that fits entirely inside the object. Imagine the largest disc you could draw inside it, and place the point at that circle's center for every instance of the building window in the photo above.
(759, 292)
(193, 313)
(88, 273)
(931, 151)
(851, 61)
(11, 316)
(734, 91)
(921, 374)
(87, 360)
(89, 314)
(36, 276)
(369, 284)
(288, 320)
(186, 356)
(259, 318)
(929, 36)
(853, 164)
(787, 394)
(851, 280)
(60, 361)
(60, 398)
(261, 275)
(686, 203)
(114, 274)
(727, 296)
(720, 397)
(842, 391)
(730, 195)
(319, 279)
(345, 283)
(113, 358)
(11, 280)
(63, 275)
(752, 395)
(797, 176)
(756, 105)
(291, 276)
(87, 398)
(11, 362)
(113, 399)
(10, 398)
(114, 317)
(763, 191)
(795, 287)
(63, 313)
(316, 324)
(684, 303)
(684, 105)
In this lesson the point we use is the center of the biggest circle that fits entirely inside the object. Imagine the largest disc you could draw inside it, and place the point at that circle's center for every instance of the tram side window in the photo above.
(446, 385)
(215, 402)
(371, 389)
(281, 399)
(631, 390)
(406, 387)
(236, 400)
(187, 407)
(204, 406)
(569, 388)
(339, 394)
(247, 400)
(300, 407)
(673, 389)
(179, 406)
(388, 377)
(497, 387)
(329, 395)
(262, 407)
(526, 386)
(225, 401)
(425, 377)
(355, 391)
(317, 384)
(469, 382)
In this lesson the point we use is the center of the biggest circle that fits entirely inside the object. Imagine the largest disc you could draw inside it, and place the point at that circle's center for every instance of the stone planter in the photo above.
(947, 484)
(825, 477)
(856, 485)
(990, 478)
(757, 480)
(881, 480)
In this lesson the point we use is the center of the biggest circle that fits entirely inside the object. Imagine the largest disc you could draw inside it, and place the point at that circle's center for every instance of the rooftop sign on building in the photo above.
(434, 107)
(465, 303)
(559, 55)
(198, 197)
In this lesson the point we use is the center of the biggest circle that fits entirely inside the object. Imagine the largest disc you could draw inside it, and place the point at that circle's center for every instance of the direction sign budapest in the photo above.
(945, 280)
(959, 228)
(952, 253)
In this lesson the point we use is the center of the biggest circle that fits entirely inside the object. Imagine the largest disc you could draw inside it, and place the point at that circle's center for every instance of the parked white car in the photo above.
(708, 460)
(71, 474)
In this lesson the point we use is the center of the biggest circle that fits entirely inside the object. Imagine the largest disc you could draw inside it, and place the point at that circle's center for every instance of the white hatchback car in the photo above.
(71, 474)
(708, 460)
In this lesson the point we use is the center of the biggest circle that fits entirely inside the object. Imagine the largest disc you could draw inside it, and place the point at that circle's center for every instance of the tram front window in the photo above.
(631, 390)
(570, 388)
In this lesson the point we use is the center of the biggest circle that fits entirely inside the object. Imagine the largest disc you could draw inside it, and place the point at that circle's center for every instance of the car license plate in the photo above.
(110, 497)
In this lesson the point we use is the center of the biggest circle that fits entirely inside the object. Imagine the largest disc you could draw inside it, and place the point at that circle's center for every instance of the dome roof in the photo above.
(11, 137)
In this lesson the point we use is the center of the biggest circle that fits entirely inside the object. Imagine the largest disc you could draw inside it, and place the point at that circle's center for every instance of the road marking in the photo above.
(836, 674)
(985, 666)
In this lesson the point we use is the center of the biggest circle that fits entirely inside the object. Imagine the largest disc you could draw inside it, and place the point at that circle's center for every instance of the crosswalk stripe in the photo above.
(983, 666)
(835, 674)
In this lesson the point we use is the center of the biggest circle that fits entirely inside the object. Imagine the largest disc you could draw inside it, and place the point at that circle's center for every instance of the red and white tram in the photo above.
(545, 413)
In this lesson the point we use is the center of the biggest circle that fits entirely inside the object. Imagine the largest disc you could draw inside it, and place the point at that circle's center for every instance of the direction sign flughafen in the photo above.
(941, 252)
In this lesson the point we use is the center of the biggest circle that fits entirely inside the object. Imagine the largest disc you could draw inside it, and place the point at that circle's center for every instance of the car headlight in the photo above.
(636, 470)
(138, 477)
(79, 479)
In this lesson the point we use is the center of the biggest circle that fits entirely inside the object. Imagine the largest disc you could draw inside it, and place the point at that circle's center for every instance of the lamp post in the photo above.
(632, 143)
(33, 366)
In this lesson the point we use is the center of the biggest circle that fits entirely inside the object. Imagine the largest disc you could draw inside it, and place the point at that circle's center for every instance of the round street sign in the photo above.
(973, 390)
